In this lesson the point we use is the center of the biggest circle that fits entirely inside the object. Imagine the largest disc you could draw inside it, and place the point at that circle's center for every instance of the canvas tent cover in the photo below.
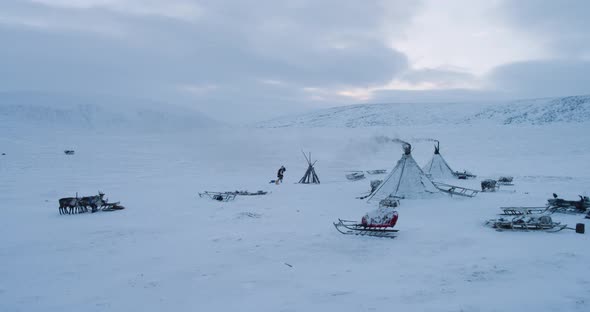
(406, 180)
(437, 167)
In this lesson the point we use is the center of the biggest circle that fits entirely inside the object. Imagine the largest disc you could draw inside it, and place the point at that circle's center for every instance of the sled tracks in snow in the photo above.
(352, 228)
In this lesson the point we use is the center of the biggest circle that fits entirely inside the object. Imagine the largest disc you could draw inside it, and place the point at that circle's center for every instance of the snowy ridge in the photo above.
(535, 111)
(48, 110)
(540, 111)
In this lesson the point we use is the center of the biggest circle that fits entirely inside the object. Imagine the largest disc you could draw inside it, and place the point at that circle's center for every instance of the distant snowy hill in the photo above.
(50, 110)
(536, 111)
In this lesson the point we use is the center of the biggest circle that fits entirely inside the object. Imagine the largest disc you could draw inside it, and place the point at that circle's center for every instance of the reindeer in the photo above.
(93, 202)
(69, 204)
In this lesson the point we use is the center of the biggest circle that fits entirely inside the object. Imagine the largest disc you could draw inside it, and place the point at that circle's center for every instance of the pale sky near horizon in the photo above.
(251, 60)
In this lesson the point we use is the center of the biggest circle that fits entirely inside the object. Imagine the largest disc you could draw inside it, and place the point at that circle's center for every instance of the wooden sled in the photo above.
(455, 190)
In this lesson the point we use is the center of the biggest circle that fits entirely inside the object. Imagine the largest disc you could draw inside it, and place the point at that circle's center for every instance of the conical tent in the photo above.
(437, 167)
(406, 180)
(310, 176)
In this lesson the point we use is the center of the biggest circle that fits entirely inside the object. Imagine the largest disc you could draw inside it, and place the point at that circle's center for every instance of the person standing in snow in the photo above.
(280, 174)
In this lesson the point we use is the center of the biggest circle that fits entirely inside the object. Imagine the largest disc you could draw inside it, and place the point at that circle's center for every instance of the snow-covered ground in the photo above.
(172, 251)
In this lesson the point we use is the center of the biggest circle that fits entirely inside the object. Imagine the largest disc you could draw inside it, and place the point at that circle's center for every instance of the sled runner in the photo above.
(354, 228)
(527, 223)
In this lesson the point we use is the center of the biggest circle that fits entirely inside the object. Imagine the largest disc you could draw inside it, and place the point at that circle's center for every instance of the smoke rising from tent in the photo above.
(386, 139)
(425, 140)
(407, 147)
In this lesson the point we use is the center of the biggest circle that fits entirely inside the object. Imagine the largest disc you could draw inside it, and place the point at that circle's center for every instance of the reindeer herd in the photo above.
(73, 205)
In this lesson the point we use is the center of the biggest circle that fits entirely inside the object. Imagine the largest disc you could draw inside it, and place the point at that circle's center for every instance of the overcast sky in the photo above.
(242, 61)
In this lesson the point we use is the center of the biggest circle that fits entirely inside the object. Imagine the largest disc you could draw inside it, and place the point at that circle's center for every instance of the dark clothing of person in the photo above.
(280, 173)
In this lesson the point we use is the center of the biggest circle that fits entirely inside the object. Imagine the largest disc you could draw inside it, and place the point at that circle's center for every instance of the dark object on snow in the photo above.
(69, 152)
(377, 171)
(505, 180)
(3, 154)
(588, 215)
(219, 196)
(464, 175)
(580, 229)
(455, 190)
(488, 185)
(355, 176)
(280, 175)
(310, 176)
(556, 204)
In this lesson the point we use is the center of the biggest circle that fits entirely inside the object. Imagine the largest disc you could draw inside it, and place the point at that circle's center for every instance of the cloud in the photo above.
(542, 78)
(251, 61)
(439, 78)
(561, 25)
(175, 9)
(127, 47)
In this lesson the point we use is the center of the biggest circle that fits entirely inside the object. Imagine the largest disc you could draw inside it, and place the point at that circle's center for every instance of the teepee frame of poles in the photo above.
(310, 176)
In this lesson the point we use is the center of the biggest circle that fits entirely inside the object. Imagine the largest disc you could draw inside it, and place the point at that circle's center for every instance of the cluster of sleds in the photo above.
(75, 205)
(539, 218)
(407, 178)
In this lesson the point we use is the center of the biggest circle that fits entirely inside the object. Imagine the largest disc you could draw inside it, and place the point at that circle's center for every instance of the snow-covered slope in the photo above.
(539, 111)
(33, 110)
(535, 111)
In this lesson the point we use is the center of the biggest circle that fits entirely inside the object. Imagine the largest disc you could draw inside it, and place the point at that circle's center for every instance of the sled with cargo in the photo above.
(505, 180)
(348, 227)
(378, 223)
(556, 204)
(218, 196)
(355, 176)
(464, 175)
(526, 222)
